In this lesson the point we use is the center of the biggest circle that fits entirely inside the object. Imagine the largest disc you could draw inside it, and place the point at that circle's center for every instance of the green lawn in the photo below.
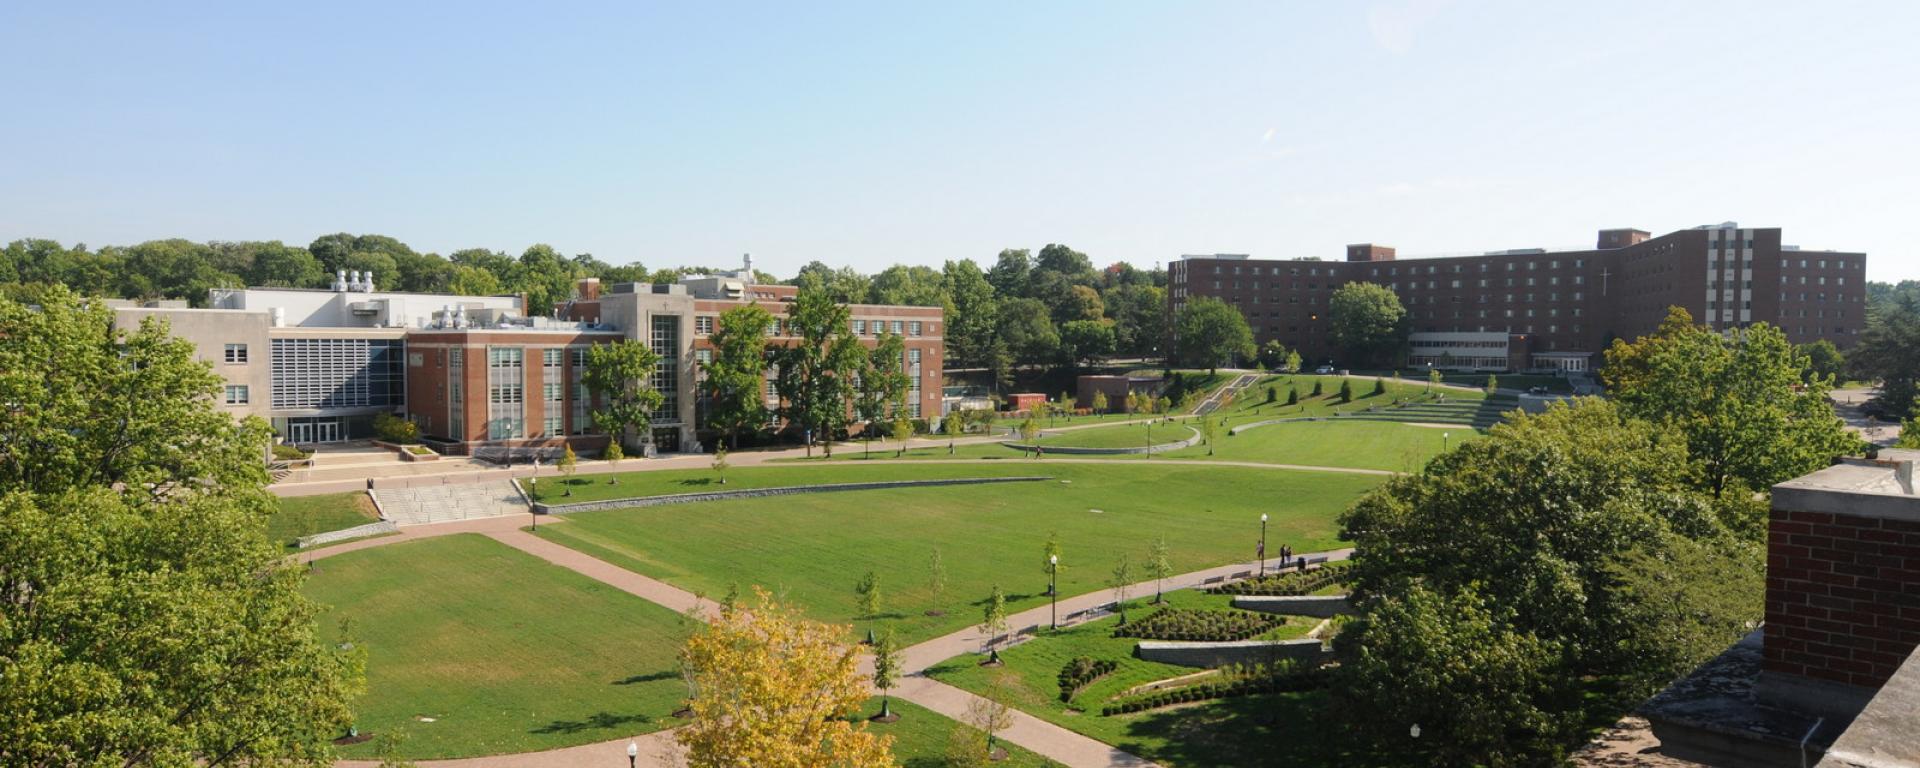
(1235, 731)
(551, 488)
(812, 548)
(307, 515)
(920, 738)
(1361, 444)
(504, 652)
(1120, 436)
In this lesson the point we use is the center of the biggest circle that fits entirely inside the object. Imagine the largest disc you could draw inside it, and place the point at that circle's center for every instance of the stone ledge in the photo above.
(1074, 450)
(358, 531)
(1317, 606)
(756, 493)
(1188, 653)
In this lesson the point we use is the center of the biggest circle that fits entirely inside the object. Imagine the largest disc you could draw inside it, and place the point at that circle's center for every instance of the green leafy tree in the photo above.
(613, 455)
(1293, 361)
(1208, 431)
(1099, 402)
(1027, 332)
(736, 378)
(974, 315)
(1749, 416)
(1367, 320)
(1085, 341)
(1030, 431)
(1434, 378)
(937, 583)
(567, 464)
(953, 424)
(1823, 361)
(145, 618)
(1163, 405)
(1159, 566)
(1482, 692)
(867, 595)
(886, 671)
(882, 390)
(902, 431)
(1050, 557)
(1889, 351)
(817, 371)
(993, 619)
(620, 376)
(1212, 333)
(720, 464)
(1120, 582)
(1686, 600)
(1493, 384)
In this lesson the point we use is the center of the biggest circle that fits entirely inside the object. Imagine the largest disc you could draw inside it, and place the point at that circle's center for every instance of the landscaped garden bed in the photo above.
(1081, 672)
(1200, 625)
(1280, 678)
(1289, 583)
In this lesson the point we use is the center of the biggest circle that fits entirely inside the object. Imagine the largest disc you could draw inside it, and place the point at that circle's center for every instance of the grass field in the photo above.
(307, 515)
(1360, 444)
(1119, 436)
(551, 488)
(1237, 732)
(920, 738)
(813, 548)
(504, 652)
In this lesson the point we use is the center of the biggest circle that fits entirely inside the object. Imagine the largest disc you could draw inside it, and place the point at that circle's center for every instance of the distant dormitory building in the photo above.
(476, 371)
(1534, 309)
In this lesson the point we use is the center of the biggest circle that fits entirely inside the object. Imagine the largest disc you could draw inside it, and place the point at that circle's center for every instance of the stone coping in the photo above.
(755, 493)
(1074, 450)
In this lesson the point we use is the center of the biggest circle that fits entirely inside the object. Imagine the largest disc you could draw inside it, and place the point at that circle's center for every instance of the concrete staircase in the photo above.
(453, 501)
(1478, 414)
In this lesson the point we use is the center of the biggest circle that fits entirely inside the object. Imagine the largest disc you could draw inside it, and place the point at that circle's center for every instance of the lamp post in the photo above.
(1414, 731)
(633, 753)
(533, 492)
(1443, 441)
(1263, 544)
(1053, 589)
(1149, 438)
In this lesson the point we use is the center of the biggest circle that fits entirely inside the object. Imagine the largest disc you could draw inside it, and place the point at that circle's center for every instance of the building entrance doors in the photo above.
(308, 432)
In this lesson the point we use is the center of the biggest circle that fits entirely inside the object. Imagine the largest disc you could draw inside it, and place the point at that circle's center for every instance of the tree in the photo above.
(867, 595)
(736, 377)
(1273, 354)
(1085, 341)
(1293, 395)
(902, 431)
(612, 456)
(1099, 402)
(1823, 361)
(882, 389)
(953, 424)
(1889, 351)
(1030, 432)
(1212, 333)
(937, 583)
(776, 690)
(1027, 331)
(973, 315)
(568, 462)
(1318, 388)
(720, 464)
(1493, 384)
(1159, 566)
(1434, 378)
(817, 371)
(886, 671)
(1293, 361)
(620, 376)
(1367, 320)
(1162, 405)
(1379, 385)
(1208, 431)
(1009, 273)
(1139, 314)
(990, 714)
(1482, 692)
(1750, 417)
(1119, 581)
(1346, 390)
(144, 615)
(993, 620)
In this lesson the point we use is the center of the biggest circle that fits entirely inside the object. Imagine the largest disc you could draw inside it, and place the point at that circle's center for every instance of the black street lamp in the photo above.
(533, 492)
(1053, 589)
(1263, 544)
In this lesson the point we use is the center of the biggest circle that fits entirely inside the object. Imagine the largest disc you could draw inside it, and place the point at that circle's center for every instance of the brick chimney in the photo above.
(588, 289)
(1843, 584)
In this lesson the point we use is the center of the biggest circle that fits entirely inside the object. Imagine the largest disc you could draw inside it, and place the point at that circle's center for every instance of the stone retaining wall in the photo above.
(358, 531)
(755, 493)
(1068, 450)
(1212, 655)
(1317, 606)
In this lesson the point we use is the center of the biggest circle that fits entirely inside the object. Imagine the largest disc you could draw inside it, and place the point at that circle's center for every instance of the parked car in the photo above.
(1536, 390)
(1323, 370)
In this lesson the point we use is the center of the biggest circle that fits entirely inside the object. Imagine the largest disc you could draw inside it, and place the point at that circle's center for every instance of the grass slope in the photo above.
(307, 515)
(813, 548)
(507, 653)
(1237, 732)
(920, 738)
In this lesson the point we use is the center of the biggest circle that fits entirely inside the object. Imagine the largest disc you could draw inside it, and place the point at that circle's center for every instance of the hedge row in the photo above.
(1205, 625)
(1081, 672)
(1219, 689)
(1288, 583)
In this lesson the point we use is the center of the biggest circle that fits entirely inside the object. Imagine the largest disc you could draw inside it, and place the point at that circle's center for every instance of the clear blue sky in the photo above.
(919, 132)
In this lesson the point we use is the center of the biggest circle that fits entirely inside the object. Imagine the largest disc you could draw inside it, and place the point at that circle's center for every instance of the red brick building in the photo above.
(1558, 309)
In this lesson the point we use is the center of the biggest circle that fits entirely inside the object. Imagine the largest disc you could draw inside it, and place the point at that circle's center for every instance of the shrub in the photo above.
(1202, 625)
(394, 429)
(1288, 582)
(1081, 672)
(285, 452)
(1281, 678)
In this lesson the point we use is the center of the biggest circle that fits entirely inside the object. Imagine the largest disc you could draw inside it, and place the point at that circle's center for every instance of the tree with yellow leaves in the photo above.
(775, 692)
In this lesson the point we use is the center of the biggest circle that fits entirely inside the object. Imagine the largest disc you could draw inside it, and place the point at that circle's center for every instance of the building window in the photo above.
(237, 394)
(553, 409)
(339, 373)
(897, 327)
(702, 325)
(666, 376)
(913, 328)
(506, 397)
(456, 358)
(550, 358)
(456, 407)
(236, 353)
(580, 402)
(578, 357)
